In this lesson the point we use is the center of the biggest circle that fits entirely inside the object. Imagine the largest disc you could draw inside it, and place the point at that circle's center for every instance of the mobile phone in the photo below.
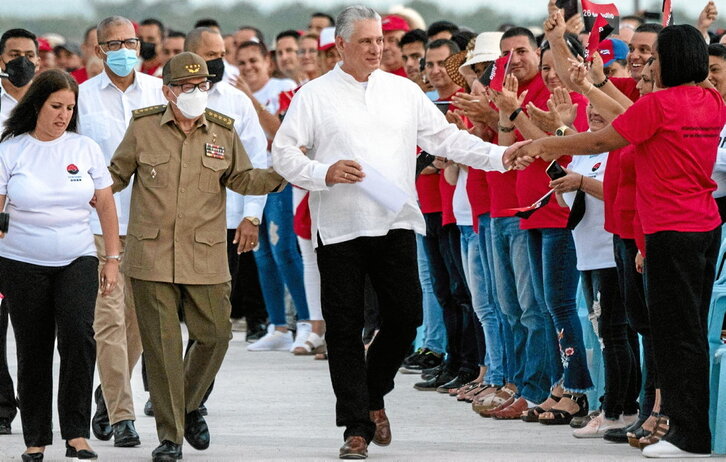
(422, 64)
(4, 222)
(555, 170)
(443, 106)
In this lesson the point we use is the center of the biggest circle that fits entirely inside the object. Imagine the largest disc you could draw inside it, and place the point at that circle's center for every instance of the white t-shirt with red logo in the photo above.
(593, 245)
(48, 185)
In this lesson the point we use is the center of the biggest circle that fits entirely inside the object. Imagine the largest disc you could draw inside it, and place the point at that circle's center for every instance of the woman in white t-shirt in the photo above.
(599, 280)
(48, 265)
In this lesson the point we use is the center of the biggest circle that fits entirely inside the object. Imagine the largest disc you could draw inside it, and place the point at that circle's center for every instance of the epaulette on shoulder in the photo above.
(220, 119)
(146, 111)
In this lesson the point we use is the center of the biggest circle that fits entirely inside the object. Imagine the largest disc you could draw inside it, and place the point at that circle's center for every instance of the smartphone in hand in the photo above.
(555, 170)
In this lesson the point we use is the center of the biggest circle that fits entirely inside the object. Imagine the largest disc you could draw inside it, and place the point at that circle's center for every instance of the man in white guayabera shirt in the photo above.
(360, 126)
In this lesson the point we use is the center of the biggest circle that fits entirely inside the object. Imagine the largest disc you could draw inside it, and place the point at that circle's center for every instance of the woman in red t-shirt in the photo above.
(675, 132)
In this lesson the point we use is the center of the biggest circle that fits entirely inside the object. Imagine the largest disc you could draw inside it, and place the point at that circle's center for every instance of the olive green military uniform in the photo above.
(176, 251)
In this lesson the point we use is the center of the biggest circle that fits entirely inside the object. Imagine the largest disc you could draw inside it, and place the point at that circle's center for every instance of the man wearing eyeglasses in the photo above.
(183, 157)
(105, 105)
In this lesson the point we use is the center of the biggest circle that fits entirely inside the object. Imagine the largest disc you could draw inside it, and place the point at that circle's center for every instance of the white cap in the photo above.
(327, 39)
(486, 48)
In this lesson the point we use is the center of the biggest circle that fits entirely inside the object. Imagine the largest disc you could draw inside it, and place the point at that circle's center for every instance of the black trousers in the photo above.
(246, 298)
(442, 245)
(45, 302)
(679, 280)
(622, 366)
(636, 311)
(360, 380)
(8, 405)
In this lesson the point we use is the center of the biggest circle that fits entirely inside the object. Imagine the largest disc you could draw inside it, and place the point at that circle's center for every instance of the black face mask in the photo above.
(20, 71)
(216, 67)
(148, 51)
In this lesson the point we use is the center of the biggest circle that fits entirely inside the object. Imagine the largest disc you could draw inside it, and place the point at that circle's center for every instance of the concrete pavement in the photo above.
(273, 406)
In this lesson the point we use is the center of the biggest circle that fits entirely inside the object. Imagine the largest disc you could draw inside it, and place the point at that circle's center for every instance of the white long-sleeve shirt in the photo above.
(104, 113)
(233, 103)
(381, 122)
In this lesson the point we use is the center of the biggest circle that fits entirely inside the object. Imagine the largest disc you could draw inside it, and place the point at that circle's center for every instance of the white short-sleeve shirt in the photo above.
(593, 245)
(49, 185)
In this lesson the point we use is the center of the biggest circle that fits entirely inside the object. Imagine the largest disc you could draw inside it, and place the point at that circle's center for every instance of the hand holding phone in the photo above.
(555, 171)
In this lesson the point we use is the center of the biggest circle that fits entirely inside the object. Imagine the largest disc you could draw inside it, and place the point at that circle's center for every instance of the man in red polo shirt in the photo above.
(394, 27)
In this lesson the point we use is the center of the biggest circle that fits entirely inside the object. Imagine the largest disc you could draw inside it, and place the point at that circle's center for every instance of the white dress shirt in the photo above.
(7, 103)
(381, 122)
(234, 103)
(104, 113)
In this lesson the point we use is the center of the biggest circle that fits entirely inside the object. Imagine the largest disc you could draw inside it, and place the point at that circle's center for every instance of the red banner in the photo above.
(500, 69)
(667, 13)
(609, 11)
(600, 30)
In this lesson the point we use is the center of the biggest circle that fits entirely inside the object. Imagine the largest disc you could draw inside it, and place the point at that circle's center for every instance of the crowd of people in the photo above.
(514, 168)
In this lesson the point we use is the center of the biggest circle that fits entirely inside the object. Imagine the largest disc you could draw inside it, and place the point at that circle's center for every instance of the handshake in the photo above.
(521, 154)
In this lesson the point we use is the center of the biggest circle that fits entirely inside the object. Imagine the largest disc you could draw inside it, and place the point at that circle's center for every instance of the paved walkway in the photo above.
(273, 406)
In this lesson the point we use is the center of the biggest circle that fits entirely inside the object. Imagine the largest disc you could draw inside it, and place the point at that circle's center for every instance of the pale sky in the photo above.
(525, 8)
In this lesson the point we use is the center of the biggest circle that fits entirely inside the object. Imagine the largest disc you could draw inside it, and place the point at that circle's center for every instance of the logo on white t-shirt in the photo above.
(73, 173)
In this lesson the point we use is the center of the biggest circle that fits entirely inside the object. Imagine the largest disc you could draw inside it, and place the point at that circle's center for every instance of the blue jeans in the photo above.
(434, 330)
(279, 263)
(526, 318)
(483, 298)
(554, 277)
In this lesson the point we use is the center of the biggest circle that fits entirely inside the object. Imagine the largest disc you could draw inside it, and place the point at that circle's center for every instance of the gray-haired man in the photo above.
(358, 123)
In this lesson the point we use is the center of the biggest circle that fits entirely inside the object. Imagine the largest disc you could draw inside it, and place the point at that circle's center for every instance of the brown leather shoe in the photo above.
(355, 447)
(382, 437)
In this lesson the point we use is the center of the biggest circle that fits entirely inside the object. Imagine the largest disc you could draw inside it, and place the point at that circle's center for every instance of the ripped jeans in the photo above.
(554, 277)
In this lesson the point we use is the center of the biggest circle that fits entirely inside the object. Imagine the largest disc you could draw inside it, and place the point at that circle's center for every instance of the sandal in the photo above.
(662, 426)
(532, 415)
(313, 345)
(560, 417)
(466, 389)
(635, 435)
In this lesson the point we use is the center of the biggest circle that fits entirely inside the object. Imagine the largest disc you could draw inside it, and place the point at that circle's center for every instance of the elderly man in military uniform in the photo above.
(183, 157)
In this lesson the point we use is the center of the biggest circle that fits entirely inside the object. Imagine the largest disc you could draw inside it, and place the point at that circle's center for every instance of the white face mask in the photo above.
(193, 104)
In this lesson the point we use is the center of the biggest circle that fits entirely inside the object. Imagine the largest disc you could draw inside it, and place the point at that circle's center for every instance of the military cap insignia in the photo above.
(192, 68)
(146, 111)
(219, 119)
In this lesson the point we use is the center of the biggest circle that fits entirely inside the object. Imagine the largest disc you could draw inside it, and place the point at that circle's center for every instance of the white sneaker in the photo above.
(597, 427)
(665, 450)
(303, 331)
(274, 340)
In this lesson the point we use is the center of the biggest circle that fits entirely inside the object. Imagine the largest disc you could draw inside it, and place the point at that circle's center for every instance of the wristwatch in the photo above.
(561, 131)
(254, 220)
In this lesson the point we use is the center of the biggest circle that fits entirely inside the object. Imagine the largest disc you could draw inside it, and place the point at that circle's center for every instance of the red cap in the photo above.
(327, 39)
(44, 44)
(394, 22)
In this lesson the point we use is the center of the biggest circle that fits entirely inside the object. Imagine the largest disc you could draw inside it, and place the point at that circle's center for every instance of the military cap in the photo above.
(185, 65)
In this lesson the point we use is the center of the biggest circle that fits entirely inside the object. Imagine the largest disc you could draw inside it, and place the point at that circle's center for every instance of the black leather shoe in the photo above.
(620, 435)
(167, 451)
(5, 428)
(149, 408)
(255, 332)
(125, 435)
(196, 431)
(439, 379)
(80, 453)
(458, 382)
(32, 457)
(100, 424)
